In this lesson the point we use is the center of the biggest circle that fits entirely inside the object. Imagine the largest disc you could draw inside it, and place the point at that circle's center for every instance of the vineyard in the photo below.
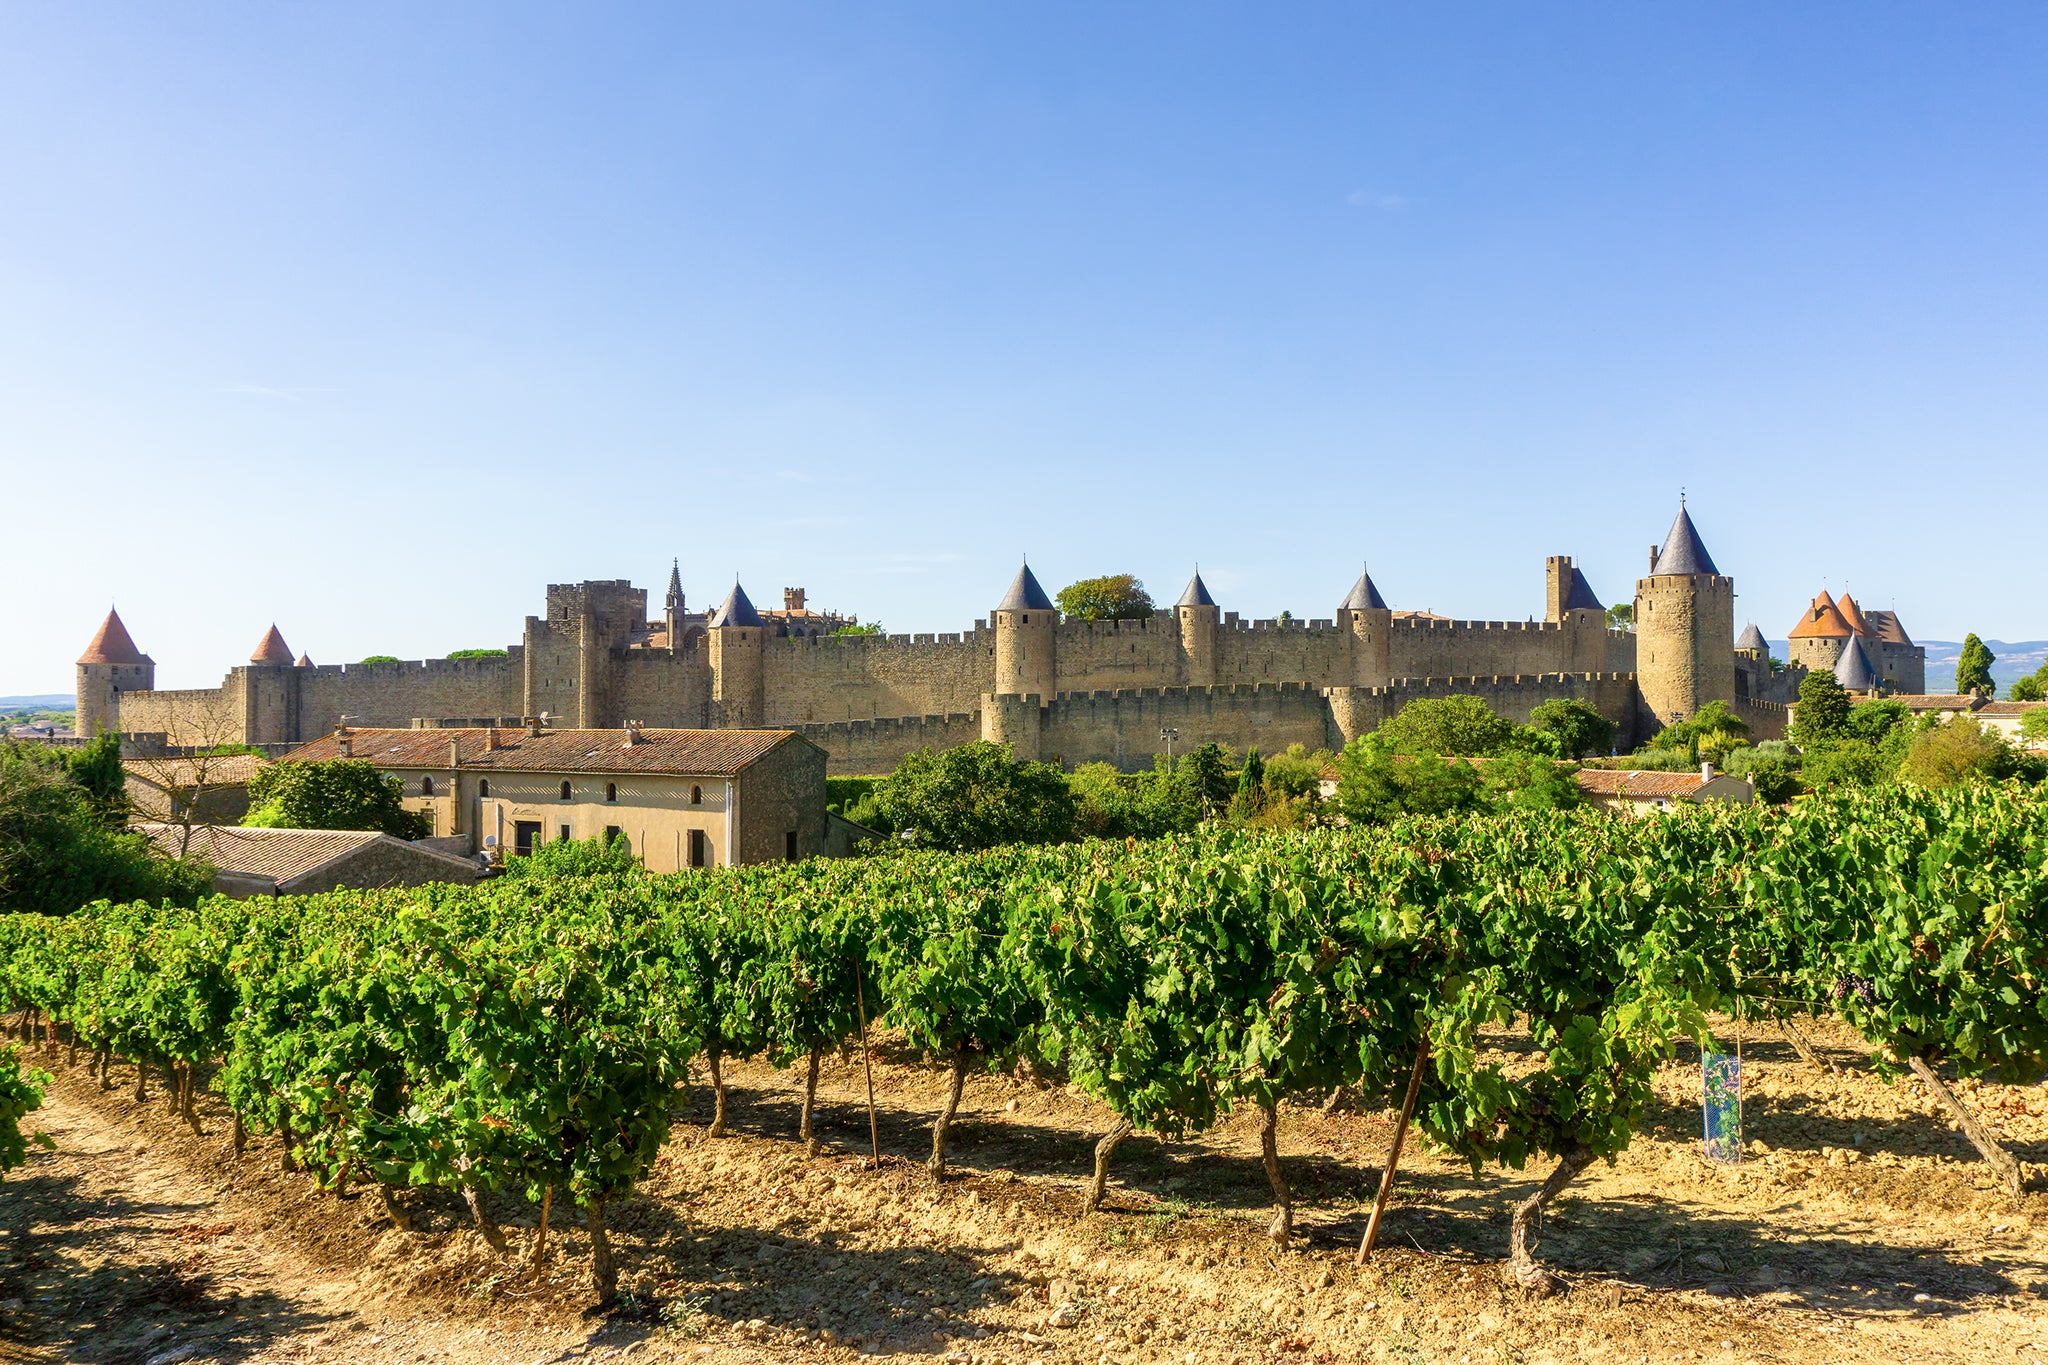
(535, 1034)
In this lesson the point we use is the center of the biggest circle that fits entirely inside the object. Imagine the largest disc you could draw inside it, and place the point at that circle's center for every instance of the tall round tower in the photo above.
(1364, 613)
(1198, 615)
(1024, 621)
(110, 666)
(738, 636)
(1685, 625)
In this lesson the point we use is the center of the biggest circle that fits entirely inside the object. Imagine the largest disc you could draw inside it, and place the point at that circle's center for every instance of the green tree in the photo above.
(1710, 732)
(1876, 719)
(2033, 687)
(1448, 725)
(97, 770)
(1956, 753)
(378, 659)
(2034, 726)
(1249, 798)
(1822, 713)
(1298, 774)
(871, 628)
(341, 793)
(1112, 597)
(1113, 805)
(1375, 785)
(1621, 616)
(1528, 781)
(57, 852)
(1973, 667)
(1203, 776)
(1571, 728)
(976, 796)
(466, 654)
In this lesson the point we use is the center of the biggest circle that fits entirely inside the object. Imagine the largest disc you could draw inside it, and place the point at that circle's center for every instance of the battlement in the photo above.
(400, 668)
(868, 644)
(1416, 623)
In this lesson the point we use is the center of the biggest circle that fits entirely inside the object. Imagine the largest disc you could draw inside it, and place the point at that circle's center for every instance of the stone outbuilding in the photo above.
(679, 798)
(300, 862)
(210, 788)
(1627, 792)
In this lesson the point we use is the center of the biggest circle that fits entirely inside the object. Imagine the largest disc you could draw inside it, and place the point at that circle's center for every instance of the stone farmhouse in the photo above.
(1071, 690)
(679, 798)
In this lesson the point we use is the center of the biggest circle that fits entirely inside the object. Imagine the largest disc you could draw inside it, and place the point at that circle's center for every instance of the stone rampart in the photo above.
(1121, 728)
(826, 678)
(855, 747)
(393, 694)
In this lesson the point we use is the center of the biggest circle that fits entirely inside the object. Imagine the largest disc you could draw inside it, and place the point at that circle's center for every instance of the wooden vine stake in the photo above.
(860, 997)
(1379, 1204)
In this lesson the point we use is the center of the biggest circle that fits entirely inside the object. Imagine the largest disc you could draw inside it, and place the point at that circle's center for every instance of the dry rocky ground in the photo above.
(1859, 1228)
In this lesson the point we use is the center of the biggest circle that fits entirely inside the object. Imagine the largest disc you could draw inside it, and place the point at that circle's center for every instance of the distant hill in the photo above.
(39, 702)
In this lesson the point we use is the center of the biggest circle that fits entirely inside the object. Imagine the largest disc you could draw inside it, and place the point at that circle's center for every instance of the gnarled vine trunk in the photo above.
(804, 1126)
(240, 1132)
(289, 1162)
(141, 1081)
(1804, 1048)
(485, 1224)
(187, 1098)
(1104, 1150)
(2001, 1161)
(937, 1165)
(1521, 1264)
(711, 1055)
(1282, 1226)
(604, 1272)
(398, 1216)
(540, 1241)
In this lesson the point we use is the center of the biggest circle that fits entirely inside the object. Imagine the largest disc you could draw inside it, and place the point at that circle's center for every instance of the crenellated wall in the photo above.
(1122, 728)
(819, 679)
(394, 694)
(877, 746)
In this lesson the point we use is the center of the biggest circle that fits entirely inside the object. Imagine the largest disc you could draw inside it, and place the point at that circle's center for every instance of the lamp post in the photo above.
(1168, 735)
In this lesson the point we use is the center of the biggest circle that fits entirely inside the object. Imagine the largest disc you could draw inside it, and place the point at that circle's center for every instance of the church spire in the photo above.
(675, 588)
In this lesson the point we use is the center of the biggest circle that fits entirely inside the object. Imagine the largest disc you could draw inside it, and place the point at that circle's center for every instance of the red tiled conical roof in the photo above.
(272, 649)
(112, 644)
(1822, 620)
(1846, 605)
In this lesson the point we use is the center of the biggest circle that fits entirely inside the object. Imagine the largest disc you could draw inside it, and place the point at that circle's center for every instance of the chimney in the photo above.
(633, 735)
(491, 740)
(348, 747)
(1653, 559)
(1706, 772)
(532, 728)
(454, 754)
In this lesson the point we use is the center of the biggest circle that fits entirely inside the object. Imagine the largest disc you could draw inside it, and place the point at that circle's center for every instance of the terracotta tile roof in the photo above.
(280, 854)
(225, 770)
(112, 644)
(1885, 625)
(271, 649)
(2008, 708)
(695, 753)
(1853, 614)
(1629, 782)
(1940, 701)
(1823, 620)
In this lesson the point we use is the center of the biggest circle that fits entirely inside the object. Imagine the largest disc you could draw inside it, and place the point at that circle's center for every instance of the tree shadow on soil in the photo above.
(91, 1302)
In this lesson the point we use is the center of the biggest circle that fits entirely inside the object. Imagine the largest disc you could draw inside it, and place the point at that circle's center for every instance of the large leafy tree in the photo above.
(1112, 597)
(1572, 729)
(1958, 752)
(1973, 667)
(976, 796)
(341, 793)
(1448, 725)
(2033, 687)
(58, 853)
(1823, 711)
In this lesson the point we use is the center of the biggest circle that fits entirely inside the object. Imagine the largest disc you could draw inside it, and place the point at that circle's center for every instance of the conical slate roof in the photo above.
(1752, 638)
(271, 649)
(736, 610)
(1364, 596)
(1853, 614)
(1854, 671)
(1822, 620)
(112, 644)
(1025, 594)
(1580, 596)
(1683, 552)
(1197, 594)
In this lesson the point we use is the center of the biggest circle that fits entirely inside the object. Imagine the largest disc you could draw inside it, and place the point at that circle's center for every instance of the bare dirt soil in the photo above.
(1860, 1227)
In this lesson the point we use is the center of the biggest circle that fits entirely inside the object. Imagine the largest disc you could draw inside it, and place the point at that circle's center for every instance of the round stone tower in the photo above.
(110, 666)
(738, 637)
(1198, 617)
(1024, 621)
(1685, 623)
(1364, 613)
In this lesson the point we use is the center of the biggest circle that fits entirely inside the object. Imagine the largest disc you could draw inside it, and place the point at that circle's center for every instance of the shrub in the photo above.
(341, 793)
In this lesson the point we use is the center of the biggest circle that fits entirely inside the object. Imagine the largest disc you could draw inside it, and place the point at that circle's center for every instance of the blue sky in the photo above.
(374, 319)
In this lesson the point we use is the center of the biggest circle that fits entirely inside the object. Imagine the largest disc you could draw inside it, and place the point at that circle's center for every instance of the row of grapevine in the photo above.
(530, 1033)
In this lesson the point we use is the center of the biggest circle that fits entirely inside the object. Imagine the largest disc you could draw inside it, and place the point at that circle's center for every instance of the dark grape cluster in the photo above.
(1862, 986)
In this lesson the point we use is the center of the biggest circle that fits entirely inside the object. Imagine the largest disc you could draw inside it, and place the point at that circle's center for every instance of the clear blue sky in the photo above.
(374, 319)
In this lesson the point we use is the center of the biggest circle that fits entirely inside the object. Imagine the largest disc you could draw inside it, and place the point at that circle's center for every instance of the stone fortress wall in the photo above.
(1078, 691)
